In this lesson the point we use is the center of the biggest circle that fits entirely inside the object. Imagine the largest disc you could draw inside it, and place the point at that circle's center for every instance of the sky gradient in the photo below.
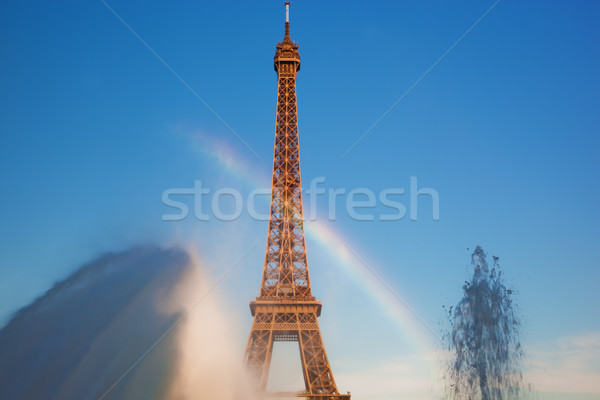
(95, 127)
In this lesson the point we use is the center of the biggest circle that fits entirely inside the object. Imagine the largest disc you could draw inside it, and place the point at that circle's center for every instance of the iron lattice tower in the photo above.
(286, 310)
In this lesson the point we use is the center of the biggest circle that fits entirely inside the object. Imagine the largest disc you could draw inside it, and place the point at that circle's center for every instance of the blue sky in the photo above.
(505, 128)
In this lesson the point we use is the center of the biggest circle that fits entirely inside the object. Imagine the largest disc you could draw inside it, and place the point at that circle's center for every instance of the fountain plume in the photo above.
(484, 339)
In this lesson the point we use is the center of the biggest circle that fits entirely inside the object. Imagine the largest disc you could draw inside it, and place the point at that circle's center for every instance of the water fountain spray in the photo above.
(484, 340)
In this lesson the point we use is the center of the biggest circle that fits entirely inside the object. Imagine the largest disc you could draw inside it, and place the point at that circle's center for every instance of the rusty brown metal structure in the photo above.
(286, 310)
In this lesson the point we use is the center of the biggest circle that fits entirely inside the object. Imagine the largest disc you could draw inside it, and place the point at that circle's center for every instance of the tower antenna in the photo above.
(287, 12)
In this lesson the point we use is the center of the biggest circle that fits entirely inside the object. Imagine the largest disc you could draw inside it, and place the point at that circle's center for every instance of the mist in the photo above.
(143, 323)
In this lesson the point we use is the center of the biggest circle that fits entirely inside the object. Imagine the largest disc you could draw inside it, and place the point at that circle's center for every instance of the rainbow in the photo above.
(415, 332)
(392, 306)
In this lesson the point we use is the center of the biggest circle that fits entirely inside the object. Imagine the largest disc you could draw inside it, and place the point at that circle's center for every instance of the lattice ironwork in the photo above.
(286, 309)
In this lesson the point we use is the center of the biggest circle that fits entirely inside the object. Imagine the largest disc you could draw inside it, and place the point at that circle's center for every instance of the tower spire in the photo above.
(287, 19)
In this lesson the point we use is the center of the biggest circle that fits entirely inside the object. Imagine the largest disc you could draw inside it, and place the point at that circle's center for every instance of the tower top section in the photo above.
(287, 51)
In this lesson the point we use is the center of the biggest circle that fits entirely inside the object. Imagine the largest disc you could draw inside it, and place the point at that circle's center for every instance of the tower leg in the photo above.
(315, 365)
(258, 354)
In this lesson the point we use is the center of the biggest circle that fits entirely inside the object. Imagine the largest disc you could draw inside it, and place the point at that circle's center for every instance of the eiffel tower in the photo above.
(286, 310)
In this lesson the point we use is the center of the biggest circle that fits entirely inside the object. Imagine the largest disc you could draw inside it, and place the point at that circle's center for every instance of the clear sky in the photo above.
(95, 127)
